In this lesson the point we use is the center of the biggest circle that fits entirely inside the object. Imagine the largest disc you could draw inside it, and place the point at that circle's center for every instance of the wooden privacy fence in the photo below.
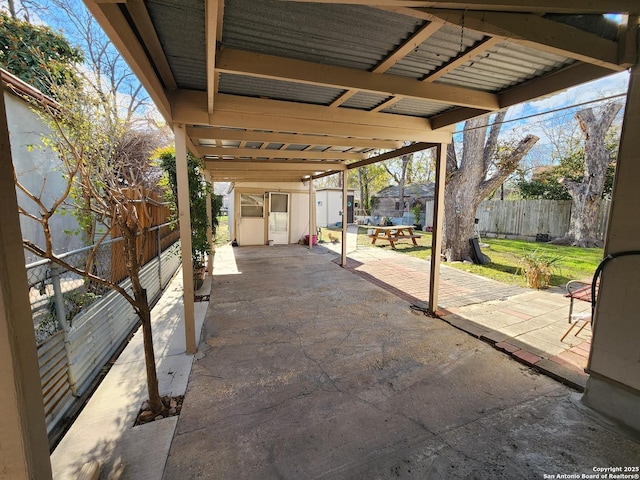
(527, 218)
(151, 214)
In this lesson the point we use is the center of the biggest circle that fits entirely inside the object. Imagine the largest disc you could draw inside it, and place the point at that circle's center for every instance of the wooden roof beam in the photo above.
(414, 147)
(214, 10)
(240, 165)
(144, 25)
(537, 87)
(259, 65)
(189, 108)
(482, 46)
(284, 154)
(117, 28)
(215, 133)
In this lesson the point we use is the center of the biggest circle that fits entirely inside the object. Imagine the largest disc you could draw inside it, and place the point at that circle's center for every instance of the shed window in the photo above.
(251, 205)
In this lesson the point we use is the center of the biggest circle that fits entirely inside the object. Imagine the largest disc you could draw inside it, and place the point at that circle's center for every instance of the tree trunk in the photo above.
(586, 196)
(363, 181)
(468, 184)
(144, 312)
(153, 390)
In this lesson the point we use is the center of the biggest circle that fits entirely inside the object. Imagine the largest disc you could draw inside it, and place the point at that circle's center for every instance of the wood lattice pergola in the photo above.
(294, 90)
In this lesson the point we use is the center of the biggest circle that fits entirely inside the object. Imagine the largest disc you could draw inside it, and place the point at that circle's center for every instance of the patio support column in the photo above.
(184, 216)
(210, 224)
(614, 364)
(312, 211)
(438, 221)
(343, 261)
(23, 441)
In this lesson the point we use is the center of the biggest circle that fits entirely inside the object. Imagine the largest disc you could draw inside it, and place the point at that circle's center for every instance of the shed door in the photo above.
(279, 218)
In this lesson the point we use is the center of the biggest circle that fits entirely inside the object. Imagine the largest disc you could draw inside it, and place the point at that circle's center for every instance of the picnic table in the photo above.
(393, 234)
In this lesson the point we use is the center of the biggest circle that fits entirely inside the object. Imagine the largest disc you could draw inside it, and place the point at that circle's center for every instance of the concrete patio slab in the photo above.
(307, 371)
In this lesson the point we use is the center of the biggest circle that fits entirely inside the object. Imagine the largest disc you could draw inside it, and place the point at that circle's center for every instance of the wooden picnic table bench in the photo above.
(393, 234)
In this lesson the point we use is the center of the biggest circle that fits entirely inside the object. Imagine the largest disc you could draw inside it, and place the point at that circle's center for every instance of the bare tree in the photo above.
(483, 167)
(401, 174)
(586, 195)
(108, 164)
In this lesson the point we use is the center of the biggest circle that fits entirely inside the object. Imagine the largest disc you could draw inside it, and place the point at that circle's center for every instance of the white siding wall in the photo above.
(251, 231)
(321, 208)
(38, 168)
(329, 212)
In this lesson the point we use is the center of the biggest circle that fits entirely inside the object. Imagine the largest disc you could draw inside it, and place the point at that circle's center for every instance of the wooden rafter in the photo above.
(537, 87)
(537, 32)
(140, 17)
(398, 54)
(115, 25)
(479, 48)
(299, 71)
(213, 33)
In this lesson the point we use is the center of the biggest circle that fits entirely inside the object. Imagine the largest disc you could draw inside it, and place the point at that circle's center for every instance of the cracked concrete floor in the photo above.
(308, 371)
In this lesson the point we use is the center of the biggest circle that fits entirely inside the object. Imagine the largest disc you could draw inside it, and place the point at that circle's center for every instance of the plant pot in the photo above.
(417, 226)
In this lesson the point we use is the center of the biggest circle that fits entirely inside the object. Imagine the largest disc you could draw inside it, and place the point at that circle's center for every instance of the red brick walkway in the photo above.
(526, 324)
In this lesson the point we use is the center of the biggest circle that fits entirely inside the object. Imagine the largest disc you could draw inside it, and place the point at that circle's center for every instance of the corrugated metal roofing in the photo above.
(437, 50)
(505, 65)
(416, 108)
(353, 36)
(365, 100)
(345, 35)
(277, 89)
(180, 28)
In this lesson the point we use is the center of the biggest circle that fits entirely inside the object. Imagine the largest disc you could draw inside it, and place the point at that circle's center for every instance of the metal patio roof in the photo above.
(292, 89)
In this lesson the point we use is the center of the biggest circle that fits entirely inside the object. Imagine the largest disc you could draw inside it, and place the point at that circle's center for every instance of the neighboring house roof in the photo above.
(418, 190)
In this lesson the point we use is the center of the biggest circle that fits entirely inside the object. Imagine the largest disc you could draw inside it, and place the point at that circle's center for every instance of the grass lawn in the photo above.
(575, 263)
(222, 232)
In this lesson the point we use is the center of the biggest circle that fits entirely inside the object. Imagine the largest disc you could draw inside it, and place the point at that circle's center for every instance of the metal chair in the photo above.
(577, 290)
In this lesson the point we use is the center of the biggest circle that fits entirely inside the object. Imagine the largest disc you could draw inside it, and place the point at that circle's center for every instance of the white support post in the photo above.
(613, 386)
(438, 223)
(312, 211)
(184, 216)
(343, 262)
(23, 437)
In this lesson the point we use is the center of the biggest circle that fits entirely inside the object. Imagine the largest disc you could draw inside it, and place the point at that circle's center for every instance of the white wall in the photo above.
(329, 212)
(38, 168)
(252, 231)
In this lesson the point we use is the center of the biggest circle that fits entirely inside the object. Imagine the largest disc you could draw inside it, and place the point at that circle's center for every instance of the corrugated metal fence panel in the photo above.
(98, 332)
(171, 260)
(56, 391)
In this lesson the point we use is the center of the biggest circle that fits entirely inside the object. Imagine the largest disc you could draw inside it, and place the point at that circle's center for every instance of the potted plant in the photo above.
(199, 271)
(416, 210)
